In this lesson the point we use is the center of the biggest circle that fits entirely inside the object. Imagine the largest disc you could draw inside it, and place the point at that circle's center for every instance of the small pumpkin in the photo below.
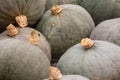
(55, 74)
(108, 30)
(96, 60)
(50, 3)
(28, 35)
(23, 12)
(22, 61)
(61, 24)
(101, 10)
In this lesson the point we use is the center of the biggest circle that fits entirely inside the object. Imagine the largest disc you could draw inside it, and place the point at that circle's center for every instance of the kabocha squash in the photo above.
(96, 60)
(55, 74)
(22, 61)
(28, 35)
(50, 3)
(108, 30)
(101, 10)
(64, 26)
(23, 12)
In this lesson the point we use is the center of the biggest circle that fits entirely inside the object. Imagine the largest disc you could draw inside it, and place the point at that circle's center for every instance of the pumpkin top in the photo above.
(34, 38)
(87, 43)
(12, 30)
(56, 9)
(54, 73)
(21, 20)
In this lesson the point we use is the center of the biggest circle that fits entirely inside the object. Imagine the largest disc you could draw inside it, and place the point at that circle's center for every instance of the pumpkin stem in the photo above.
(34, 38)
(87, 43)
(54, 73)
(21, 20)
(12, 30)
(56, 9)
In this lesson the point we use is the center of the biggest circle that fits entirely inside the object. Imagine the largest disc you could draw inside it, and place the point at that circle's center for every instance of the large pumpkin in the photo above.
(24, 12)
(61, 24)
(28, 35)
(22, 61)
(97, 60)
(101, 10)
(50, 3)
(55, 74)
(108, 30)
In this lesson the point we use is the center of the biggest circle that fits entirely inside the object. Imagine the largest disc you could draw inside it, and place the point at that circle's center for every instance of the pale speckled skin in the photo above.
(101, 10)
(50, 3)
(9, 9)
(22, 61)
(65, 29)
(24, 35)
(71, 77)
(108, 30)
(100, 62)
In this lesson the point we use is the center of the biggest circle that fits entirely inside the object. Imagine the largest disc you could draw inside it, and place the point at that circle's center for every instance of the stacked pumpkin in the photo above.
(25, 53)
(64, 26)
(40, 33)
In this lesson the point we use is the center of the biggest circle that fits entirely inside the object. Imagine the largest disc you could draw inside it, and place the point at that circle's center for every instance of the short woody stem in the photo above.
(56, 9)
(21, 20)
(12, 30)
(87, 43)
(54, 73)
(34, 38)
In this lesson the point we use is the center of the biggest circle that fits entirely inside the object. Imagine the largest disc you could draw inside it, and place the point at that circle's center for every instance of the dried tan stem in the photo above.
(56, 9)
(21, 21)
(87, 43)
(34, 38)
(12, 30)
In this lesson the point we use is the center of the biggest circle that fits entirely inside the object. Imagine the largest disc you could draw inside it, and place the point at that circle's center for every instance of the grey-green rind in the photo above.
(22, 61)
(71, 77)
(108, 30)
(65, 29)
(102, 61)
(32, 9)
(24, 34)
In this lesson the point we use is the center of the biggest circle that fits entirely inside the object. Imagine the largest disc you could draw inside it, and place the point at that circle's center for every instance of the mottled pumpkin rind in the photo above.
(101, 10)
(100, 61)
(72, 77)
(24, 35)
(22, 61)
(65, 29)
(108, 30)
(32, 9)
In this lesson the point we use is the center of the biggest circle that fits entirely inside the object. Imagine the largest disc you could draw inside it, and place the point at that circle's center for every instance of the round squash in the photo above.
(96, 60)
(50, 3)
(28, 35)
(101, 10)
(61, 24)
(23, 12)
(55, 74)
(108, 30)
(22, 61)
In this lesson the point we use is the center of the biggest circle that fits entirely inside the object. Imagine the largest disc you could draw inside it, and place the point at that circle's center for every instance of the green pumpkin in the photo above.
(99, 61)
(24, 34)
(55, 74)
(50, 3)
(22, 61)
(108, 30)
(101, 10)
(71, 77)
(62, 24)
(31, 9)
